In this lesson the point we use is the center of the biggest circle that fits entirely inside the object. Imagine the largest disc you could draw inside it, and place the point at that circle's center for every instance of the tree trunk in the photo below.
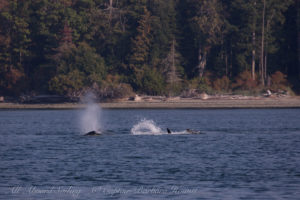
(298, 36)
(265, 57)
(172, 75)
(253, 45)
(173, 55)
(20, 57)
(231, 60)
(253, 56)
(110, 9)
(202, 62)
(262, 45)
(266, 47)
(267, 77)
(226, 63)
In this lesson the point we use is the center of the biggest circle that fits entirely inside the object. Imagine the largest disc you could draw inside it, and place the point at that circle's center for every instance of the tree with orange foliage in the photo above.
(222, 84)
(244, 81)
(278, 81)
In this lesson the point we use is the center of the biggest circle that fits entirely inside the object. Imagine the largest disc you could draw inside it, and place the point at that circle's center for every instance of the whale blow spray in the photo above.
(90, 117)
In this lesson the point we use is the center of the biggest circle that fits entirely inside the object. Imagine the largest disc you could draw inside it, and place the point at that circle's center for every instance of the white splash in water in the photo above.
(90, 118)
(146, 127)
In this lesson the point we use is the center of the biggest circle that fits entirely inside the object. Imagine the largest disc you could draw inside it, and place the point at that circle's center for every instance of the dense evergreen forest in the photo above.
(155, 47)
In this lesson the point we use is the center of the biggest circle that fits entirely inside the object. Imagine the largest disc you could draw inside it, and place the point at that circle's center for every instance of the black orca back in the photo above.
(92, 133)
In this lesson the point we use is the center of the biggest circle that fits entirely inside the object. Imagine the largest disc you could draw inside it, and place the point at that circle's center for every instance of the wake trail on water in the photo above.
(149, 127)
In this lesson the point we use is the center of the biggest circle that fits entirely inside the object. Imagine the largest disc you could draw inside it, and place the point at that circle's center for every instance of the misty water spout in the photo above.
(90, 117)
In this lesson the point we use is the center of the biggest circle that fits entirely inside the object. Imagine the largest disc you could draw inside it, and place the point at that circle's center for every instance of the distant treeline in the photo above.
(155, 47)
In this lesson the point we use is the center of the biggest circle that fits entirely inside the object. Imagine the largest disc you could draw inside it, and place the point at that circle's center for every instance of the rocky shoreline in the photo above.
(214, 102)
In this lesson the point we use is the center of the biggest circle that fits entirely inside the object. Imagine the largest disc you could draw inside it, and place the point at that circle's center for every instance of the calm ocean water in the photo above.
(242, 154)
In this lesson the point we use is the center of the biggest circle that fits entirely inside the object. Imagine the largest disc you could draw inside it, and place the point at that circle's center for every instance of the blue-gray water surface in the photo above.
(242, 154)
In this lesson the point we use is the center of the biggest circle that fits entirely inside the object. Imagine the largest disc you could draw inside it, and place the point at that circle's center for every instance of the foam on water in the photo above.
(179, 132)
(148, 127)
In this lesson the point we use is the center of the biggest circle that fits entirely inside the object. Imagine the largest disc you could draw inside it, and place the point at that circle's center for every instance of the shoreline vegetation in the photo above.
(156, 102)
(159, 48)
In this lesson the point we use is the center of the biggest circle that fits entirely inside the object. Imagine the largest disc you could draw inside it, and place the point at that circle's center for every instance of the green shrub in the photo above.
(152, 82)
(117, 91)
(68, 84)
(204, 86)
(201, 84)
(112, 88)
(78, 68)
(174, 89)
